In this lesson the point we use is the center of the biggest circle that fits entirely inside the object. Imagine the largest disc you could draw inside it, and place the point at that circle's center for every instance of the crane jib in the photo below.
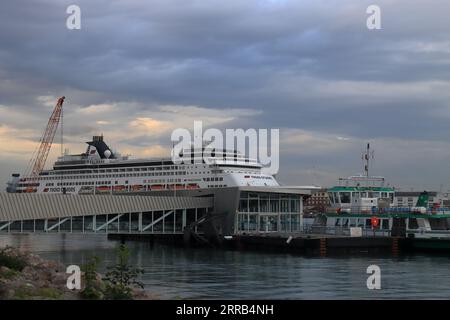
(40, 158)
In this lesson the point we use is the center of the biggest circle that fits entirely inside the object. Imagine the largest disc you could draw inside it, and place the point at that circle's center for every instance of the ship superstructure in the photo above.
(102, 170)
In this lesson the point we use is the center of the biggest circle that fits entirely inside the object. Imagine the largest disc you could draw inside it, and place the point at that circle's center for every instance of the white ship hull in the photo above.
(99, 171)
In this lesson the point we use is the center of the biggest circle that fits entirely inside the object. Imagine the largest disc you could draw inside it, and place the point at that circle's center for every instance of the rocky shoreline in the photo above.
(30, 277)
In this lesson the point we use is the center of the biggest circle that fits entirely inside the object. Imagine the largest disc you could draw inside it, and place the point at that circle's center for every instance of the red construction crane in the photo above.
(38, 162)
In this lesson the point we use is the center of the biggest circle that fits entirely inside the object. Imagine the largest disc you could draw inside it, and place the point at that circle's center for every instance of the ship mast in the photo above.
(366, 157)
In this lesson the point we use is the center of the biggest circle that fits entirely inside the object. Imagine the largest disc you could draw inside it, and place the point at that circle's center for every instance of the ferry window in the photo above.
(412, 223)
(345, 223)
(368, 224)
(338, 222)
(345, 197)
(336, 197)
(391, 197)
(385, 224)
(384, 194)
(352, 222)
(331, 199)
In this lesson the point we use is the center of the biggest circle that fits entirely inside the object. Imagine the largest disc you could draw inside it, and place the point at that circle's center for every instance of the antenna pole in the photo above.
(63, 189)
(175, 185)
(367, 157)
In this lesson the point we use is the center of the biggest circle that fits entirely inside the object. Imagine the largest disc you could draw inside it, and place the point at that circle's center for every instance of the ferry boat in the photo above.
(365, 205)
(99, 170)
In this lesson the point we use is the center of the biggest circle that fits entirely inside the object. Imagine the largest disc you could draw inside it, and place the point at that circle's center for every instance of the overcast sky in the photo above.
(138, 69)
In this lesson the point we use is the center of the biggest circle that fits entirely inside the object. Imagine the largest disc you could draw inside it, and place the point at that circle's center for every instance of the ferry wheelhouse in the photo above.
(360, 194)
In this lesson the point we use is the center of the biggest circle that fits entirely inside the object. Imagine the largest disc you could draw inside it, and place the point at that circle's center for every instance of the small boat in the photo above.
(120, 188)
(103, 189)
(135, 188)
(157, 187)
(175, 186)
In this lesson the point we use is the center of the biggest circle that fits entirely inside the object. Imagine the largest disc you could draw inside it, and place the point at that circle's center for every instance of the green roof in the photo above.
(382, 189)
(386, 215)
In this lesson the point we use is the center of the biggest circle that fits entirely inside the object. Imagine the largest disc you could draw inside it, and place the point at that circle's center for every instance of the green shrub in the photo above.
(27, 293)
(122, 277)
(11, 258)
(94, 287)
(8, 274)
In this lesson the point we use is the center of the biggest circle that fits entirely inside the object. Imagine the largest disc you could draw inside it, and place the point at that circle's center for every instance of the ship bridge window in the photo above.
(331, 198)
(412, 223)
(391, 197)
(335, 197)
(345, 197)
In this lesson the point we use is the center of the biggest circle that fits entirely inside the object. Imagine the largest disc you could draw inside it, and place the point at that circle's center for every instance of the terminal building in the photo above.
(210, 213)
(238, 210)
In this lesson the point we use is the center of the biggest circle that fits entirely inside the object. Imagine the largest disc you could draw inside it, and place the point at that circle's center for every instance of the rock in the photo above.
(29, 285)
(43, 279)
(4, 269)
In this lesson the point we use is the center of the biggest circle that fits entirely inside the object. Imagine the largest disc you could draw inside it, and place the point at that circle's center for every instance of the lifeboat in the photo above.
(103, 189)
(176, 186)
(137, 188)
(119, 188)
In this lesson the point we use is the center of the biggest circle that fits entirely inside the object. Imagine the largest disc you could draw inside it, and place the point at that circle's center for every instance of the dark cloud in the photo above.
(310, 65)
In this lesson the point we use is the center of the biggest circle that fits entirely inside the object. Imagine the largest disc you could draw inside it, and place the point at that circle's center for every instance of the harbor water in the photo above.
(174, 272)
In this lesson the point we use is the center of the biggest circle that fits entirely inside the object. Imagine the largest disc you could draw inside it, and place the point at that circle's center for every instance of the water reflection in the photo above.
(175, 272)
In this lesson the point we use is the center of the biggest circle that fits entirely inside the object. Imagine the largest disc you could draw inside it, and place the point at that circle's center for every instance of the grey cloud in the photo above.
(274, 56)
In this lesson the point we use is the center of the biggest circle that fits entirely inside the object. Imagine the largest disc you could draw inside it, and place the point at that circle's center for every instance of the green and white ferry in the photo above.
(363, 205)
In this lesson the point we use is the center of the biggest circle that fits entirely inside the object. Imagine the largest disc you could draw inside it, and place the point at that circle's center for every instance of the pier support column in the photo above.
(323, 247)
(395, 246)
(301, 214)
(183, 224)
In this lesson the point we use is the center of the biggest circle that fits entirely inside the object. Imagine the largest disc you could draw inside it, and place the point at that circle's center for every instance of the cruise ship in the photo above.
(101, 171)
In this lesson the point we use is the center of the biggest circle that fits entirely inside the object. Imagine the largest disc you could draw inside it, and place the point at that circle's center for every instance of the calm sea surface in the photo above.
(175, 272)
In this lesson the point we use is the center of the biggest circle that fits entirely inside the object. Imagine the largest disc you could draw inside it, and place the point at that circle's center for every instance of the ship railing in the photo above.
(421, 231)
(372, 210)
(345, 231)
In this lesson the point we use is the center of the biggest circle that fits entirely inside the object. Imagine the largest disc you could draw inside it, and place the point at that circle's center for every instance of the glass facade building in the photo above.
(262, 212)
